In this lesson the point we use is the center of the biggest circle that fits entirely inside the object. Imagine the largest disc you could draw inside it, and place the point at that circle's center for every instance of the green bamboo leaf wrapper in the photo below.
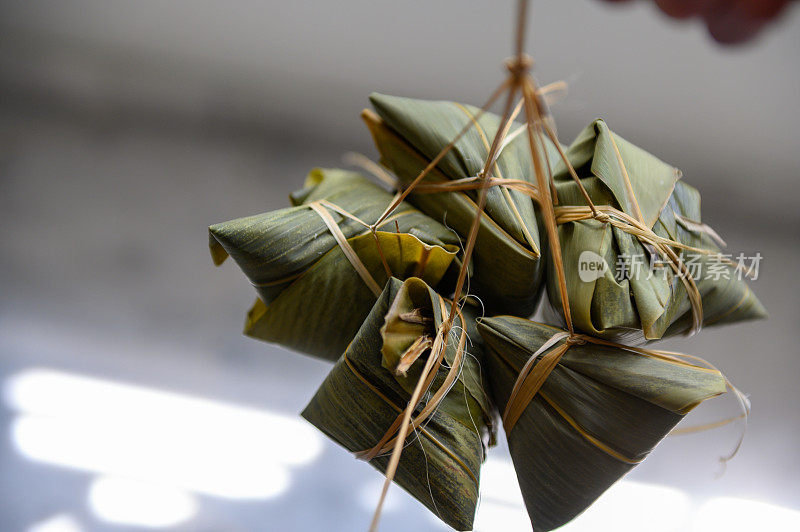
(600, 411)
(638, 306)
(410, 133)
(362, 396)
(311, 299)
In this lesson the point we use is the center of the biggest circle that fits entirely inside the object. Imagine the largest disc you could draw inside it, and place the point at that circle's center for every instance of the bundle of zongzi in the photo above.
(410, 133)
(622, 294)
(597, 414)
(372, 382)
(312, 296)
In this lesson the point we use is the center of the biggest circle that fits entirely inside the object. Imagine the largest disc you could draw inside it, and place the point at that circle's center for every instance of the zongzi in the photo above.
(311, 296)
(597, 414)
(372, 383)
(410, 133)
(618, 285)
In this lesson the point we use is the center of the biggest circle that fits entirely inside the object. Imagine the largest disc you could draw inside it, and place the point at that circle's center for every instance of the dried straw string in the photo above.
(475, 183)
(622, 220)
(443, 331)
(440, 342)
(741, 397)
(362, 161)
(347, 249)
(627, 180)
(515, 406)
(533, 120)
(517, 68)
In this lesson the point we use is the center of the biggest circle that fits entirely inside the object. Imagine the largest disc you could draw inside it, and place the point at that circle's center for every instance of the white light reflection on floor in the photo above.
(630, 506)
(154, 437)
(57, 523)
(742, 515)
(144, 504)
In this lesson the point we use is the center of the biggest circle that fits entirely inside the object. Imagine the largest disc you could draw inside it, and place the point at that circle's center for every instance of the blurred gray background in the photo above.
(128, 127)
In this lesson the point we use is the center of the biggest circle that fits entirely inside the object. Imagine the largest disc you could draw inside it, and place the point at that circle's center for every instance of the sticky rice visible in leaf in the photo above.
(363, 395)
(311, 298)
(598, 414)
(410, 133)
(627, 301)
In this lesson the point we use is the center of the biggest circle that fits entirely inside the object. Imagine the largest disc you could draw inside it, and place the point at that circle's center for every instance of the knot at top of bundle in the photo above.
(519, 65)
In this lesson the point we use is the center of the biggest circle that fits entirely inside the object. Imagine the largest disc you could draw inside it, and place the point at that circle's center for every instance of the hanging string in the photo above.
(533, 118)
(517, 69)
